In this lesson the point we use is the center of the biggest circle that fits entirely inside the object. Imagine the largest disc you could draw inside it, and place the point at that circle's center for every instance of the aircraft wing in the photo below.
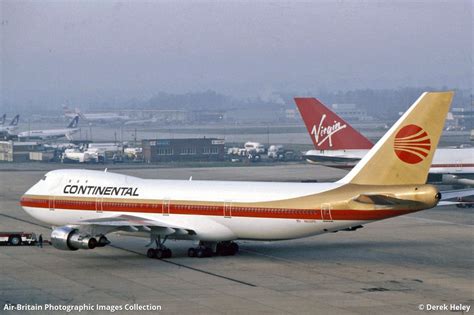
(135, 224)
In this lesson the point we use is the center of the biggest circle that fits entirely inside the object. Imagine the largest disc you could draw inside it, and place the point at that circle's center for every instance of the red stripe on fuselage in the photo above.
(210, 210)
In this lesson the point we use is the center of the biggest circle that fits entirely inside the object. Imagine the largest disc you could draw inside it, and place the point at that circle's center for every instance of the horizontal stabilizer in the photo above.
(385, 200)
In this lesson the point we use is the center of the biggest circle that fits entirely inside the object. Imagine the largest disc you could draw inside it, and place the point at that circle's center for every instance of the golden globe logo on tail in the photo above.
(412, 144)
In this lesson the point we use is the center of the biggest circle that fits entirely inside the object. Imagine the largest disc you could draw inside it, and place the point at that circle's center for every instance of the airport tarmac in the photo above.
(389, 267)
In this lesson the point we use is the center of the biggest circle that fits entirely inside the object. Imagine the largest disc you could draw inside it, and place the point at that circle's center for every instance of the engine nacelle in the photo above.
(67, 238)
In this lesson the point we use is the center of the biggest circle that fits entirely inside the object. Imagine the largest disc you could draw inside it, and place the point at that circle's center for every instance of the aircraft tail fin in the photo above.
(327, 130)
(3, 119)
(15, 120)
(404, 154)
(74, 122)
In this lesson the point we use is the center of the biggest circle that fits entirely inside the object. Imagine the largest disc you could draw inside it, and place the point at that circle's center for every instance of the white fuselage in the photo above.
(48, 134)
(8, 129)
(206, 207)
(104, 117)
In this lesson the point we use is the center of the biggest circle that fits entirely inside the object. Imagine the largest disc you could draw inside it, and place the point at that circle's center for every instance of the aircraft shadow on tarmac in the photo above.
(303, 252)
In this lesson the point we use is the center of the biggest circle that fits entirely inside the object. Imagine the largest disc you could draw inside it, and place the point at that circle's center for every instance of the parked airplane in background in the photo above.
(141, 122)
(48, 134)
(7, 131)
(110, 117)
(85, 205)
(339, 145)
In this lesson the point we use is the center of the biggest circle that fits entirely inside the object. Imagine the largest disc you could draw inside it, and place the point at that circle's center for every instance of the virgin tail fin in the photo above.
(327, 130)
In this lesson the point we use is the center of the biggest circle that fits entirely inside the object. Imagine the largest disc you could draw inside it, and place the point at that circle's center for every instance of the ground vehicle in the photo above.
(258, 147)
(17, 238)
(276, 152)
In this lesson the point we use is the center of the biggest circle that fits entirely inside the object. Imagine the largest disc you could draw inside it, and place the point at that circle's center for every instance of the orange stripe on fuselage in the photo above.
(128, 205)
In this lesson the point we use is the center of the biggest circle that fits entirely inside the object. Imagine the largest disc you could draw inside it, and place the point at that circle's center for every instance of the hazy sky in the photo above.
(91, 49)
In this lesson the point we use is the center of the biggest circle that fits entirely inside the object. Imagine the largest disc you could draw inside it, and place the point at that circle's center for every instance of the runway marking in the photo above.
(141, 254)
(188, 267)
(26, 221)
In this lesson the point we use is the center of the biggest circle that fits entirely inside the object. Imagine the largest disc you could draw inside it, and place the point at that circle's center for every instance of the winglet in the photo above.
(327, 130)
(404, 154)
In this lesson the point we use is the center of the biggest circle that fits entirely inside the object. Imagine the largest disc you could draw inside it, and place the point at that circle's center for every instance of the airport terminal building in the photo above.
(191, 149)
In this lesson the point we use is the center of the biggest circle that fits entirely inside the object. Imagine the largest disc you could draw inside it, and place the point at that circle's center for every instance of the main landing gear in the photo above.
(161, 251)
(206, 249)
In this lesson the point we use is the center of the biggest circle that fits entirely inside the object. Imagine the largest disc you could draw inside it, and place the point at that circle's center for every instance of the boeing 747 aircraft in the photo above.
(48, 134)
(83, 206)
(110, 117)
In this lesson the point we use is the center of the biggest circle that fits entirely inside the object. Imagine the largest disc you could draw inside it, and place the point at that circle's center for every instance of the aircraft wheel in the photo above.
(208, 252)
(160, 253)
(234, 247)
(151, 253)
(220, 249)
(191, 252)
(15, 240)
(167, 253)
(200, 253)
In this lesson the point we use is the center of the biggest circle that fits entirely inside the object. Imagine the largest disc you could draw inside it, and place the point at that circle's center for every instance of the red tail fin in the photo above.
(327, 130)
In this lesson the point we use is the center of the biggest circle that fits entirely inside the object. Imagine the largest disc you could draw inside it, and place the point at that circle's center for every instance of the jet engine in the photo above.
(68, 238)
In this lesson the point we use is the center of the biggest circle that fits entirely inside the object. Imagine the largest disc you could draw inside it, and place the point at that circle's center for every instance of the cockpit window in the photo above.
(44, 177)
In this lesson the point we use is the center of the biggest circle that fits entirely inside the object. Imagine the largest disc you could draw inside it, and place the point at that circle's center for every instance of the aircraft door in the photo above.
(54, 189)
(99, 204)
(52, 203)
(326, 212)
(166, 207)
(458, 166)
(227, 209)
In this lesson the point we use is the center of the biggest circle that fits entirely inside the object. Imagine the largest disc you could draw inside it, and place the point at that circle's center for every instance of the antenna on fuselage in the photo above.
(105, 171)
(190, 178)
